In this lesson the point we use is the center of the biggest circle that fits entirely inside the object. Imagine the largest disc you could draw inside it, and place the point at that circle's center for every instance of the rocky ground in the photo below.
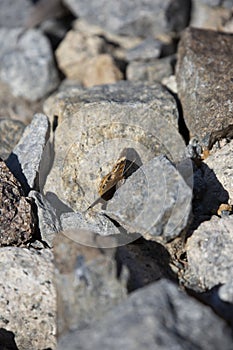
(116, 226)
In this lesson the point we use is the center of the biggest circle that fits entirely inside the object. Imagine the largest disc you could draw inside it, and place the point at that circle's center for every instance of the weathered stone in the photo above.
(210, 17)
(14, 13)
(86, 281)
(160, 201)
(221, 163)
(222, 3)
(149, 48)
(155, 317)
(26, 63)
(138, 18)
(209, 256)
(28, 300)
(48, 222)
(95, 125)
(17, 108)
(152, 70)
(11, 131)
(101, 70)
(17, 223)
(205, 60)
(26, 158)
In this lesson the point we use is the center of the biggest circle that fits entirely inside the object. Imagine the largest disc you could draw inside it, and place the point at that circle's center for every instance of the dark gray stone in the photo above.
(203, 74)
(10, 131)
(152, 70)
(148, 49)
(135, 18)
(26, 63)
(28, 299)
(155, 317)
(25, 160)
(48, 222)
(159, 205)
(86, 281)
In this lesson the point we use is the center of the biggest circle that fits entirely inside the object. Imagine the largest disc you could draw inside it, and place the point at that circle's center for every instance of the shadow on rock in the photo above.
(7, 340)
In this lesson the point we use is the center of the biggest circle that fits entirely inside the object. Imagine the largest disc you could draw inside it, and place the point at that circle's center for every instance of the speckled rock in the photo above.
(95, 125)
(209, 256)
(149, 48)
(138, 18)
(11, 131)
(155, 317)
(17, 222)
(160, 201)
(87, 283)
(205, 60)
(28, 300)
(26, 158)
(26, 63)
(14, 13)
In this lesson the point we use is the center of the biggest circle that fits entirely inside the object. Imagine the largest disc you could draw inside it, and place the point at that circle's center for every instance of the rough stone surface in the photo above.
(221, 162)
(209, 256)
(223, 3)
(152, 70)
(160, 202)
(156, 317)
(17, 223)
(27, 64)
(204, 72)
(48, 222)
(142, 18)
(86, 282)
(14, 13)
(28, 301)
(26, 158)
(96, 124)
(148, 49)
(10, 131)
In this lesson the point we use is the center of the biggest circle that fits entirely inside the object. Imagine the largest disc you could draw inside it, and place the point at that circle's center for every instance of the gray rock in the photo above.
(205, 59)
(95, 125)
(135, 18)
(159, 205)
(14, 13)
(86, 282)
(222, 3)
(48, 222)
(17, 221)
(148, 49)
(28, 300)
(27, 63)
(221, 163)
(98, 225)
(26, 158)
(155, 317)
(152, 70)
(11, 131)
(209, 256)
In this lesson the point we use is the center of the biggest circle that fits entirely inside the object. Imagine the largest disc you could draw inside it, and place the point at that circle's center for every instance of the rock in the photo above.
(155, 317)
(101, 70)
(27, 64)
(152, 70)
(170, 83)
(204, 59)
(207, 16)
(134, 18)
(26, 158)
(96, 124)
(160, 201)
(17, 108)
(221, 163)
(86, 282)
(209, 256)
(11, 131)
(98, 225)
(28, 300)
(150, 48)
(49, 224)
(14, 13)
(222, 3)
(17, 222)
